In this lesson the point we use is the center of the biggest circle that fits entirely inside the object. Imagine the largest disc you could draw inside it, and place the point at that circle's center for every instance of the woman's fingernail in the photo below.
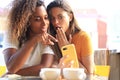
(56, 40)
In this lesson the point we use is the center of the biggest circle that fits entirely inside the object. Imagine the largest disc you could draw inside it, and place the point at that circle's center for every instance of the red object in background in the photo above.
(102, 39)
(102, 34)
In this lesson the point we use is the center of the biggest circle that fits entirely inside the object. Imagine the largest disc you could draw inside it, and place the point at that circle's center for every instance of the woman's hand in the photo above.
(62, 64)
(46, 38)
(62, 41)
(61, 37)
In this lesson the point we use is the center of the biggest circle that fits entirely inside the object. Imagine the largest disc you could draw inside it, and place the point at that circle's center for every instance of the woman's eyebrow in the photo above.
(35, 16)
(59, 14)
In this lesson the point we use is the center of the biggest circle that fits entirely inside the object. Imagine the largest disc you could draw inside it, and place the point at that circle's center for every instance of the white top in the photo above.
(36, 54)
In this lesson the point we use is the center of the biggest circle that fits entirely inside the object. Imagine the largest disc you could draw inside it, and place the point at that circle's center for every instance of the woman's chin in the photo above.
(43, 30)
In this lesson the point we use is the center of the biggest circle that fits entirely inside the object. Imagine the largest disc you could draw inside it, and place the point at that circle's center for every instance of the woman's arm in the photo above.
(46, 61)
(15, 59)
(88, 63)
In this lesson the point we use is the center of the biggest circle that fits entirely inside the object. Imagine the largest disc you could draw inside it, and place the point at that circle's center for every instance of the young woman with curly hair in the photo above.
(26, 47)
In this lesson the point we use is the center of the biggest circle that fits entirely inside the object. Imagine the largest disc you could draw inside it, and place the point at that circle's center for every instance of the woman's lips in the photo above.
(58, 27)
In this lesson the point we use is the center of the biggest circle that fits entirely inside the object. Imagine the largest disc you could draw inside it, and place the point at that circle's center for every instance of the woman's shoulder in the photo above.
(81, 34)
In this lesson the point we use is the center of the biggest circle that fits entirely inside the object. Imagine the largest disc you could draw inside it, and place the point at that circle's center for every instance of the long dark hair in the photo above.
(73, 25)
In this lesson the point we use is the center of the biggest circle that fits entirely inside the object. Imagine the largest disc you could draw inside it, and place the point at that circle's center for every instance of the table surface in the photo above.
(38, 78)
(23, 78)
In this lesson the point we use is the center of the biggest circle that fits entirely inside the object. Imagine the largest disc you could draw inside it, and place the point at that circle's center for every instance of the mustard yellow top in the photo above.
(83, 44)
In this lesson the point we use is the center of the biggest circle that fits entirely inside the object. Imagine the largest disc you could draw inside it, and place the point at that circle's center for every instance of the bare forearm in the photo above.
(17, 60)
(30, 71)
(90, 68)
(46, 61)
(88, 63)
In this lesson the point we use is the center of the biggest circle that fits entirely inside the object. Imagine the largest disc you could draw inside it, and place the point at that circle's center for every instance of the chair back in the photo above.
(102, 70)
(2, 70)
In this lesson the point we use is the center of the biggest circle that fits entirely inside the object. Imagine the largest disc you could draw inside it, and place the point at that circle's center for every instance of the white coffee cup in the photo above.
(74, 73)
(50, 73)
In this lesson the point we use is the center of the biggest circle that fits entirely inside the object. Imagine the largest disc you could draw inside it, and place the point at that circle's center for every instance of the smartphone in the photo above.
(71, 52)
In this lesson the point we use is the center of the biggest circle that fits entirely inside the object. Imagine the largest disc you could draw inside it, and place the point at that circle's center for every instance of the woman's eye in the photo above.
(60, 17)
(46, 18)
(37, 19)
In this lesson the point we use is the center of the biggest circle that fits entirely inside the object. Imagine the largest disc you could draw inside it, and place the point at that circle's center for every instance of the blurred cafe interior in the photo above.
(100, 18)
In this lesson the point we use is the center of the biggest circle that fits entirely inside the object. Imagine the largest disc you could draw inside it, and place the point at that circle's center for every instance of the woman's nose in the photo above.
(43, 22)
(56, 22)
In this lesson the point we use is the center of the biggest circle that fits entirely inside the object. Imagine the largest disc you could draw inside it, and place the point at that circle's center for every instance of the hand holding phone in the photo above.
(72, 56)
